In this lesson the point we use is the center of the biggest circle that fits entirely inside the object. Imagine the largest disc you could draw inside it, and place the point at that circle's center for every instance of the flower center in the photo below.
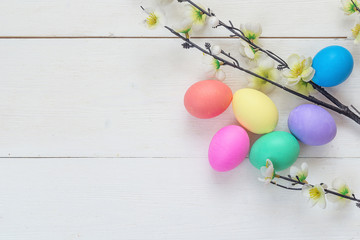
(251, 36)
(314, 193)
(266, 74)
(198, 15)
(252, 49)
(352, 8)
(152, 19)
(269, 178)
(345, 191)
(356, 30)
(216, 64)
(299, 68)
(302, 177)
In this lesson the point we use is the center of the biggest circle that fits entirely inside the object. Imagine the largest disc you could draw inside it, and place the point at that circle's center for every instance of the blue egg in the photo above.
(333, 65)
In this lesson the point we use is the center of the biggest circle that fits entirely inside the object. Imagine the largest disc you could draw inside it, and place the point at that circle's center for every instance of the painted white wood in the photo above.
(118, 103)
(151, 198)
(295, 18)
(124, 98)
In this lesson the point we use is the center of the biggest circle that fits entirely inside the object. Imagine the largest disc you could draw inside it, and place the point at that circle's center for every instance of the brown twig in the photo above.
(190, 44)
(339, 107)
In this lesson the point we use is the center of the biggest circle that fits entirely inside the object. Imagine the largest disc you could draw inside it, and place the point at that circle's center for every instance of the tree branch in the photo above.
(234, 65)
(327, 191)
(339, 108)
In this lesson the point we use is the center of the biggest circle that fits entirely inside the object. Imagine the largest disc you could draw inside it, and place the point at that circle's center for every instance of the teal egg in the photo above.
(281, 148)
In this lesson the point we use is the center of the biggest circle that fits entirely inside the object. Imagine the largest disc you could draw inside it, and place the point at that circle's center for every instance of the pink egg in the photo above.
(228, 148)
(207, 99)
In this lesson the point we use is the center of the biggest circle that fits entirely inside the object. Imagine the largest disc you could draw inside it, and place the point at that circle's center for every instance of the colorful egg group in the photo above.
(228, 148)
(281, 148)
(333, 65)
(255, 111)
(312, 125)
(207, 99)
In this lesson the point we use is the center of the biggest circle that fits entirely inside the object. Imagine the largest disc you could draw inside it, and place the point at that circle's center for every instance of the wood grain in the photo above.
(123, 18)
(96, 144)
(154, 198)
(124, 98)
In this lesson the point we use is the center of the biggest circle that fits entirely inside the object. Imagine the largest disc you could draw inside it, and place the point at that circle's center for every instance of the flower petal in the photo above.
(304, 88)
(220, 75)
(308, 74)
(264, 62)
(308, 62)
(305, 190)
(294, 171)
(263, 170)
(287, 73)
(254, 28)
(254, 83)
(261, 179)
(269, 171)
(249, 52)
(155, 18)
(242, 51)
(268, 180)
(338, 183)
(267, 88)
(274, 75)
(208, 60)
(312, 202)
(348, 7)
(333, 198)
(322, 203)
(291, 82)
(304, 167)
(293, 60)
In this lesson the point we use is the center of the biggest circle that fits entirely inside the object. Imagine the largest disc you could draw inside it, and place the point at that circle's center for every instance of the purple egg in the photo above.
(312, 125)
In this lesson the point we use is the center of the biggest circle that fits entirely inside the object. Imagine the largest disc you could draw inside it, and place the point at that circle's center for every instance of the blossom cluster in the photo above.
(297, 76)
(264, 74)
(317, 194)
(350, 7)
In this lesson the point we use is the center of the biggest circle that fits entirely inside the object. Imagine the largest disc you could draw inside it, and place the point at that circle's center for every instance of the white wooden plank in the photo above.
(294, 18)
(124, 97)
(163, 199)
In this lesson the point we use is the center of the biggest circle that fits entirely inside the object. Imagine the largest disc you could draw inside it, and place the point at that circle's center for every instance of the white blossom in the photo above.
(299, 174)
(213, 68)
(315, 195)
(340, 186)
(268, 172)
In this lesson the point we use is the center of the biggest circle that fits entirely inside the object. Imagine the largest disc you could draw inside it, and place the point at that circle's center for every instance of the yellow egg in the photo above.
(255, 111)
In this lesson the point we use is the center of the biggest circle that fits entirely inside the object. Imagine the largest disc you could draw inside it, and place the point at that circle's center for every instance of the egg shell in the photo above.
(281, 148)
(312, 125)
(333, 65)
(207, 99)
(228, 148)
(255, 111)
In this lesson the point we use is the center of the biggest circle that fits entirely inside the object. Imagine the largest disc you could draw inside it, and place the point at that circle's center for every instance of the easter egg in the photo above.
(255, 111)
(207, 99)
(333, 65)
(228, 148)
(312, 125)
(281, 148)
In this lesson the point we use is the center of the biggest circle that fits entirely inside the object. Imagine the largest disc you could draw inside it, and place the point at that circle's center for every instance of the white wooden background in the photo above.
(95, 142)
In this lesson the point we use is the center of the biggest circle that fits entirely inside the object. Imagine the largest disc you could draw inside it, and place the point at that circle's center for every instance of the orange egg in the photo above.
(207, 99)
